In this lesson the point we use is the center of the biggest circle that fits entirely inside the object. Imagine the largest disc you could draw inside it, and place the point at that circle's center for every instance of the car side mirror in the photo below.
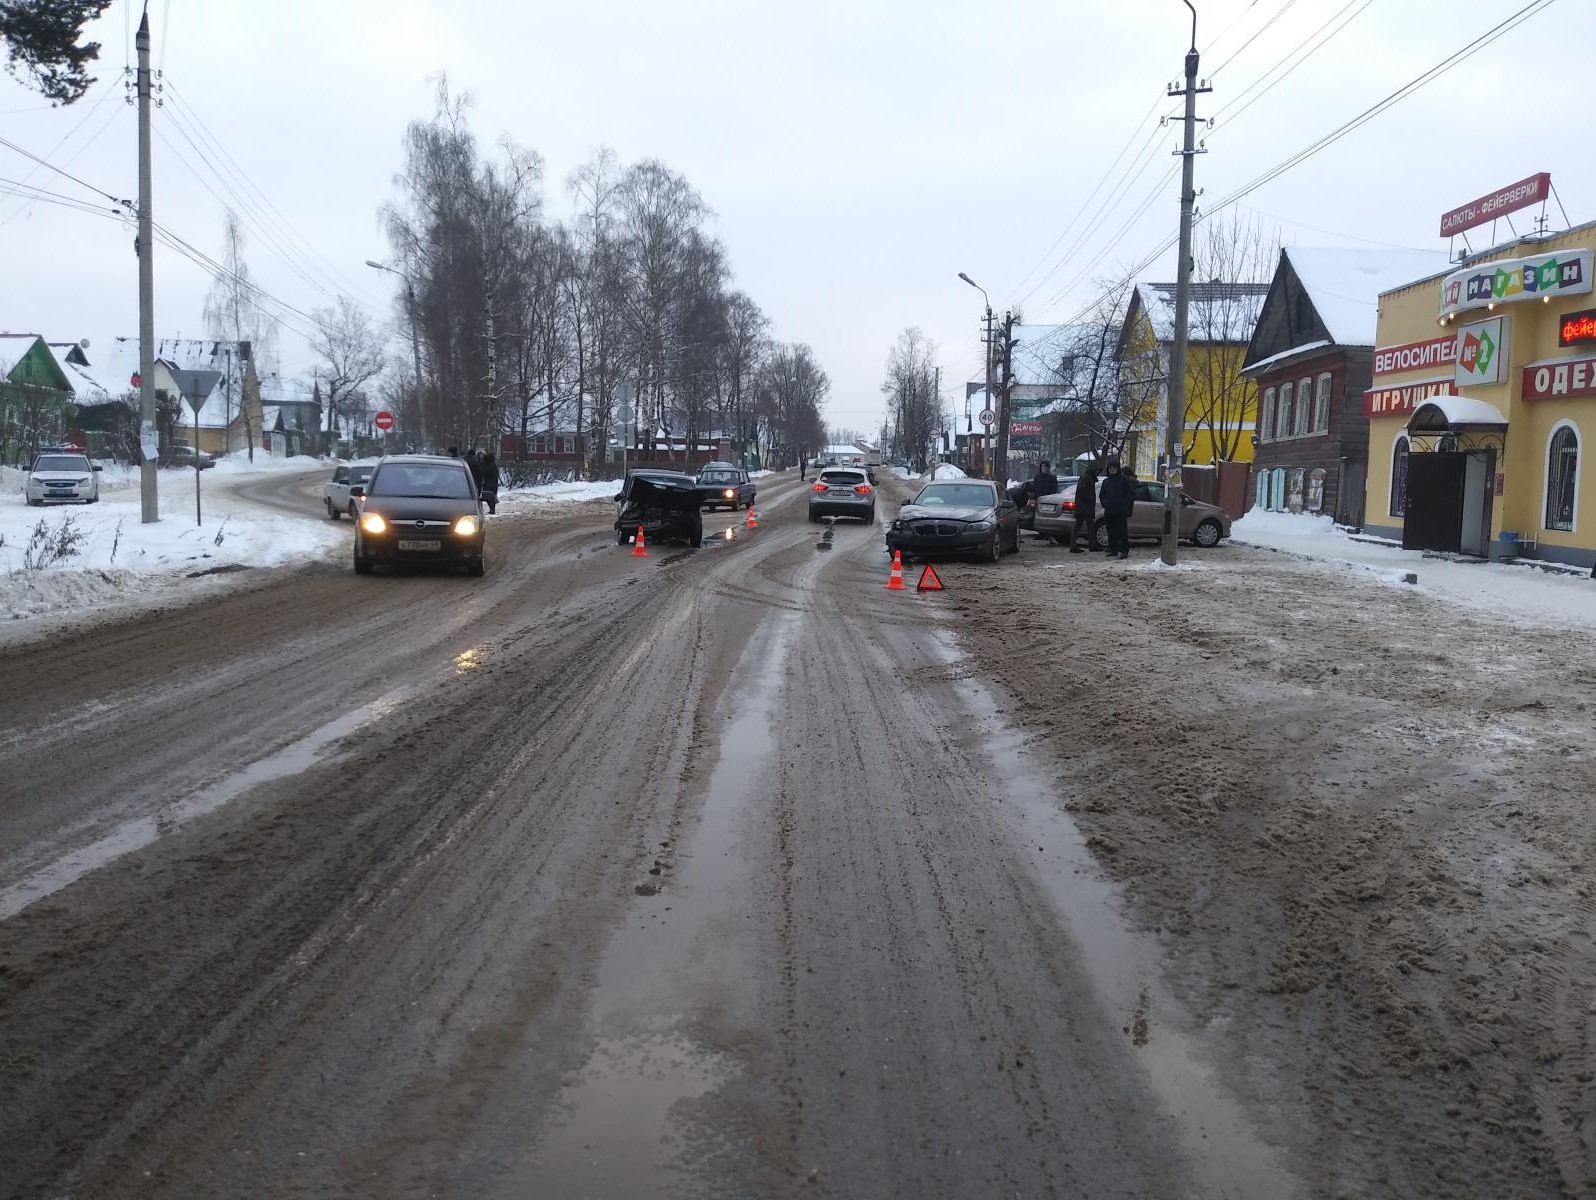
(1186, 501)
(357, 490)
(619, 496)
(97, 467)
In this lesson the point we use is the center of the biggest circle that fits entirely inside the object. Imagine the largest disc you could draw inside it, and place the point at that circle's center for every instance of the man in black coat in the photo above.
(1044, 483)
(1085, 535)
(1118, 498)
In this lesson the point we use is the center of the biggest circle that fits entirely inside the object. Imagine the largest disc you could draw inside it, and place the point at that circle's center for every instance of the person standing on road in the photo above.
(1118, 498)
(1043, 483)
(1085, 536)
(490, 483)
(802, 477)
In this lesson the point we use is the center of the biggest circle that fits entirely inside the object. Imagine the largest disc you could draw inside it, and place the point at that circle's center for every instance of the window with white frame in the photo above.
(1266, 416)
(1321, 404)
(1304, 407)
(1562, 472)
(1399, 478)
(1283, 425)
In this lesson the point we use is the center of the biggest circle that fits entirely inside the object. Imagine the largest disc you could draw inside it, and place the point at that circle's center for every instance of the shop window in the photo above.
(1266, 416)
(1283, 425)
(1304, 407)
(1399, 478)
(1562, 473)
(1321, 405)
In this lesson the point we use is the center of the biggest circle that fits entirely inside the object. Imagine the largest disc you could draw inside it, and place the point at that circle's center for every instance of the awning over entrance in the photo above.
(1455, 414)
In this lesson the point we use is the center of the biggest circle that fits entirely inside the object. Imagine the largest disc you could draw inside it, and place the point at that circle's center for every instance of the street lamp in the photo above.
(989, 386)
(415, 339)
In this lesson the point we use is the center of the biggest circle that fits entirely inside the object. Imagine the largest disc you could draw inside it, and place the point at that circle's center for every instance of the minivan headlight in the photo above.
(373, 523)
(466, 526)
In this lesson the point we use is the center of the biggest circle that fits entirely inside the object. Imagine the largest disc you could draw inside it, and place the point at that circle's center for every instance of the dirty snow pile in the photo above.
(1527, 593)
(947, 471)
(552, 493)
(64, 557)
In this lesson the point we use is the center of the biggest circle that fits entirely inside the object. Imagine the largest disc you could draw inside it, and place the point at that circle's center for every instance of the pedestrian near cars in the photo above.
(1118, 499)
(1085, 536)
(489, 487)
(1043, 483)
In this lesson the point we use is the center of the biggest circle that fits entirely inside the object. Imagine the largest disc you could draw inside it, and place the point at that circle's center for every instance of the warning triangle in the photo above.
(930, 581)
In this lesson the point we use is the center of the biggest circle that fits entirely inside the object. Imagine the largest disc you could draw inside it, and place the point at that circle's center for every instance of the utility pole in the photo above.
(149, 504)
(991, 387)
(1004, 388)
(936, 398)
(1175, 415)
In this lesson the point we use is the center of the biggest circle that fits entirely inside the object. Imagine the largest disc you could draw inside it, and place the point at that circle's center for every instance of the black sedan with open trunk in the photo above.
(418, 508)
(666, 504)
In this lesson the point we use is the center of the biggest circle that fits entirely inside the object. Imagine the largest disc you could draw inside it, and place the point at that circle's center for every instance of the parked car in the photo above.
(62, 478)
(843, 492)
(181, 454)
(1201, 523)
(721, 485)
(666, 505)
(1020, 495)
(419, 508)
(957, 517)
(335, 492)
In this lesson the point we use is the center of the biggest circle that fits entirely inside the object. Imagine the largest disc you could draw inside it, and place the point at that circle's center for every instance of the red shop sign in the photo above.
(1559, 379)
(1416, 356)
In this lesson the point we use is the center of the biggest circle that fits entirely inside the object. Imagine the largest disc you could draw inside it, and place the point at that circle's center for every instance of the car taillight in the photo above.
(863, 489)
(819, 487)
(1070, 504)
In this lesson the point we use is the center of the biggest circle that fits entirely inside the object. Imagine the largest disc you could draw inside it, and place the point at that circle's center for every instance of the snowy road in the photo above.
(599, 877)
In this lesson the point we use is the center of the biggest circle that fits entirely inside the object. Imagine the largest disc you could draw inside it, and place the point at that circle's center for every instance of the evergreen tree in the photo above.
(41, 37)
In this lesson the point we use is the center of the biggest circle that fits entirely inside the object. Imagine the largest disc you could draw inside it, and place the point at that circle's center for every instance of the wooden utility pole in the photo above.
(1175, 414)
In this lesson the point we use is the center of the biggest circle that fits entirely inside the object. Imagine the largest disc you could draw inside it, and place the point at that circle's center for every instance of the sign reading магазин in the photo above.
(1559, 378)
(1561, 273)
(1498, 204)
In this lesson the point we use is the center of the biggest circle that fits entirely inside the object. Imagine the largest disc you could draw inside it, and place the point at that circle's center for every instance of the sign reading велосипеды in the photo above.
(1560, 273)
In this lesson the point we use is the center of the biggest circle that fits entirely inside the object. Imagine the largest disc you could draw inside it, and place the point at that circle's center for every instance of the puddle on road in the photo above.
(678, 953)
(1224, 1147)
(128, 836)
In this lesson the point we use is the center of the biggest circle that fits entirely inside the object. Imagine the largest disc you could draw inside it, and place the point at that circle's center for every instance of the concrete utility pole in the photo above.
(1004, 388)
(149, 504)
(1175, 415)
(991, 387)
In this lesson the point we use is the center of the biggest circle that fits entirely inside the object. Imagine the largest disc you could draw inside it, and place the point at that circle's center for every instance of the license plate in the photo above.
(413, 544)
(66, 494)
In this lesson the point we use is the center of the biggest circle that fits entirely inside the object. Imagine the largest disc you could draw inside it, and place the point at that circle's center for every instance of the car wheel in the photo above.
(696, 537)
(1207, 534)
(354, 513)
(622, 538)
(478, 566)
(995, 551)
(35, 503)
(362, 563)
(332, 513)
(1015, 549)
(1100, 535)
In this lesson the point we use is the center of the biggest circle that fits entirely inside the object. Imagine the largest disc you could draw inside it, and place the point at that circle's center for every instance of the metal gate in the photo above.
(1434, 519)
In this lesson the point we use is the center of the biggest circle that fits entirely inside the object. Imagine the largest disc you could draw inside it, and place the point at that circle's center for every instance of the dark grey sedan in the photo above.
(418, 508)
(967, 517)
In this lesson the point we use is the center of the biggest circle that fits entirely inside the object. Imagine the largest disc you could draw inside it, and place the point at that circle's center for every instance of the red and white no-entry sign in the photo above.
(383, 420)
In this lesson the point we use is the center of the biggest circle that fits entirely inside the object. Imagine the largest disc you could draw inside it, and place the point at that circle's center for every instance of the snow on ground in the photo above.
(549, 493)
(760, 474)
(237, 463)
(1530, 595)
(947, 471)
(114, 555)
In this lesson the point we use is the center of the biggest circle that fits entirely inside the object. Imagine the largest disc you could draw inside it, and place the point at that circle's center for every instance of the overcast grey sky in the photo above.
(858, 154)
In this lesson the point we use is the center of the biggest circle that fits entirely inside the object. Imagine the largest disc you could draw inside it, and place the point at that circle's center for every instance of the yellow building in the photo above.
(1221, 404)
(1484, 390)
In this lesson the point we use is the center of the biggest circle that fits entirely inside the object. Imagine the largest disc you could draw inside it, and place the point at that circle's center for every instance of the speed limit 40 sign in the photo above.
(988, 417)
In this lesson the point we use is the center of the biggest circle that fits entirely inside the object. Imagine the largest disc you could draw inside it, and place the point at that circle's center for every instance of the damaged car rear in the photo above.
(664, 503)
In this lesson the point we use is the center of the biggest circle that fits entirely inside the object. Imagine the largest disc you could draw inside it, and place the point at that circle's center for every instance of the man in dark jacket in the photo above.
(1044, 483)
(489, 486)
(1118, 498)
(1085, 536)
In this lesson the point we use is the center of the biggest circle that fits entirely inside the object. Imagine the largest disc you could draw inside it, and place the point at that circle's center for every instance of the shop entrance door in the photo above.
(1434, 519)
(1478, 474)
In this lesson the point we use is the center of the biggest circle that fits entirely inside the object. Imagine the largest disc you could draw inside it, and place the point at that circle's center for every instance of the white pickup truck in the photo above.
(336, 492)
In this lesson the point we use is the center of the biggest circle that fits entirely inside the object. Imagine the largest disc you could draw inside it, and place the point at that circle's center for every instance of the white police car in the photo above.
(62, 477)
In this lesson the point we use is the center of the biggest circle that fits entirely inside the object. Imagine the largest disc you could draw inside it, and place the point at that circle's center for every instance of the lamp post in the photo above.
(989, 384)
(415, 339)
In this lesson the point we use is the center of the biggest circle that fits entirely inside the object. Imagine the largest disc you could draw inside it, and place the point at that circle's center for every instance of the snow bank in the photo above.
(238, 463)
(547, 493)
(1519, 590)
(760, 474)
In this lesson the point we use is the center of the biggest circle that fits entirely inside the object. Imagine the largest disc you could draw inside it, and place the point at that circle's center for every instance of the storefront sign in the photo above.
(1499, 203)
(1482, 352)
(1025, 428)
(1577, 328)
(1416, 356)
(1561, 378)
(1386, 402)
(1565, 273)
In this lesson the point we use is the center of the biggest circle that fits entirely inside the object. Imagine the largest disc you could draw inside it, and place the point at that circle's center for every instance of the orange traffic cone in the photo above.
(895, 580)
(753, 521)
(639, 549)
(930, 581)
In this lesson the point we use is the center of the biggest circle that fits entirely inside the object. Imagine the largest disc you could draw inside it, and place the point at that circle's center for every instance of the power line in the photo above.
(1240, 96)
(1259, 33)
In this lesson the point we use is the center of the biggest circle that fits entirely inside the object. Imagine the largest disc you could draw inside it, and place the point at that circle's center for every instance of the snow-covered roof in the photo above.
(1345, 284)
(115, 373)
(838, 451)
(1263, 364)
(1455, 411)
(1220, 311)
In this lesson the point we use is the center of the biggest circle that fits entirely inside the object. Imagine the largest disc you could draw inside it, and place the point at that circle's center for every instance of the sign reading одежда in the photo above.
(1499, 203)
(1560, 378)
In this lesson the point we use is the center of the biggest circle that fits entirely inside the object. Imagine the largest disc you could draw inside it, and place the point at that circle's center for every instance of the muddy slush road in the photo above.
(705, 875)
